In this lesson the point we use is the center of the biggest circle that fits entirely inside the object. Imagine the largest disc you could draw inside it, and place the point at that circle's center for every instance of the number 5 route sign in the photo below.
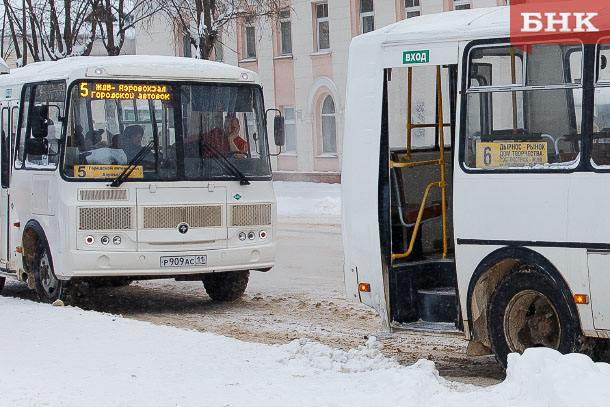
(511, 154)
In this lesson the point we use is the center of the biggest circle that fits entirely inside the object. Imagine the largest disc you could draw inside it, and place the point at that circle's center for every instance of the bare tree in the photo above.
(202, 21)
(117, 19)
(55, 28)
(10, 18)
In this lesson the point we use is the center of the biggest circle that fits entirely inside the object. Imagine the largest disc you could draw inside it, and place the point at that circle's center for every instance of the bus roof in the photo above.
(455, 26)
(448, 27)
(128, 67)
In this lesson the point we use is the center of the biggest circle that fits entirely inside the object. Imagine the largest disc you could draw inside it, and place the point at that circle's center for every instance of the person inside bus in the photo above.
(237, 144)
(131, 140)
(226, 140)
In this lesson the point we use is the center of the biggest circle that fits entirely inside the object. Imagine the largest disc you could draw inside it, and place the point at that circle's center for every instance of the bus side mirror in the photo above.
(37, 146)
(278, 130)
(39, 119)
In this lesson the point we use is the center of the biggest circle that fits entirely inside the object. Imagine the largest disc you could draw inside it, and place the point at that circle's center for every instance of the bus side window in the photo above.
(52, 95)
(22, 128)
(13, 128)
(4, 148)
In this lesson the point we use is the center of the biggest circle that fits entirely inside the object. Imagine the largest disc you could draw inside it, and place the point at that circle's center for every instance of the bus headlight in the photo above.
(242, 236)
(105, 240)
(251, 235)
(116, 240)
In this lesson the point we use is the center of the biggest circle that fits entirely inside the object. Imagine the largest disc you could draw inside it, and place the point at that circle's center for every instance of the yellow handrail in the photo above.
(440, 162)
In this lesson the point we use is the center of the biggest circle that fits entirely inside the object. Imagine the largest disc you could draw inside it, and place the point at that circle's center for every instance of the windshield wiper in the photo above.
(132, 165)
(243, 180)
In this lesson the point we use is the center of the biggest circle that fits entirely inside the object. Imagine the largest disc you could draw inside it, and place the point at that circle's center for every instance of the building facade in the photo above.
(302, 60)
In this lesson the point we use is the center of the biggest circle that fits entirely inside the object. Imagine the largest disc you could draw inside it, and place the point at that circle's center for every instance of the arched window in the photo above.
(329, 127)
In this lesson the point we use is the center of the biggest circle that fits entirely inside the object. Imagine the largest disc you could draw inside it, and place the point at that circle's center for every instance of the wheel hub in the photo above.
(47, 278)
(530, 320)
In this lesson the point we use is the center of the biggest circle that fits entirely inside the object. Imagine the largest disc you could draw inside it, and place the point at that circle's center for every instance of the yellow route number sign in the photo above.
(511, 154)
(105, 171)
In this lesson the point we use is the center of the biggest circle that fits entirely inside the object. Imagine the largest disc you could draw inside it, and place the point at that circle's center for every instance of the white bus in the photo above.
(123, 168)
(475, 183)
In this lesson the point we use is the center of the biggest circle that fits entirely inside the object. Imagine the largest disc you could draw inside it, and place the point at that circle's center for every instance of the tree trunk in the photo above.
(8, 9)
(34, 44)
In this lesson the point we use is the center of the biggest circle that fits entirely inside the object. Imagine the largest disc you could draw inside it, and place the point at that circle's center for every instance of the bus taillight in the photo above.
(364, 287)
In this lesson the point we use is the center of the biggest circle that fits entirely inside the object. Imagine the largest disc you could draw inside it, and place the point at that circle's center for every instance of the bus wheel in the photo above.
(2, 280)
(528, 310)
(48, 287)
(226, 286)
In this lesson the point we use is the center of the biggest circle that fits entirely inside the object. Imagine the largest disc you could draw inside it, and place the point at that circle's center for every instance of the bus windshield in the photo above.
(184, 131)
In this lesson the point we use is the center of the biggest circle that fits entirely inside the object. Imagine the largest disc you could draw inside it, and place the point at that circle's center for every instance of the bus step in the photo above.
(437, 304)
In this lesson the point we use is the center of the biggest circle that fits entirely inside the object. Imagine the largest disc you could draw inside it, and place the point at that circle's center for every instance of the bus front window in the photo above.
(194, 131)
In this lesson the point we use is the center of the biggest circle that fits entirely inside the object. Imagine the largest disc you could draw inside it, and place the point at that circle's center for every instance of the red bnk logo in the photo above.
(560, 22)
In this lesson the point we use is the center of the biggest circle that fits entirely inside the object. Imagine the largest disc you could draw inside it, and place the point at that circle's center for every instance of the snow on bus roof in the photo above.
(449, 26)
(127, 66)
(458, 25)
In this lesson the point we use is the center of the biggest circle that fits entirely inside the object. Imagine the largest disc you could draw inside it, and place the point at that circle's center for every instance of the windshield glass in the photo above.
(193, 130)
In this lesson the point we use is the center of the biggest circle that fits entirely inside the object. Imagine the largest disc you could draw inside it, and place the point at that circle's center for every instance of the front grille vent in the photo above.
(102, 195)
(169, 217)
(251, 215)
(108, 218)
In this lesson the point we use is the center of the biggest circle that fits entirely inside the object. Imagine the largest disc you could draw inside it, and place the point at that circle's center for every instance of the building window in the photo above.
(412, 8)
(290, 128)
(323, 40)
(367, 16)
(329, 127)
(285, 33)
(461, 4)
(250, 38)
(186, 46)
(218, 52)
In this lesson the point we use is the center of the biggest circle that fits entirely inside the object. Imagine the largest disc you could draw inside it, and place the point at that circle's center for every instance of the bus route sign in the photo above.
(105, 171)
(416, 57)
(124, 91)
(511, 154)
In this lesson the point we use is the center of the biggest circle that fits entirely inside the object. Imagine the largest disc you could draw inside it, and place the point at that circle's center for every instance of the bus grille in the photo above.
(102, 195)
(251, 215)
(169, 217)
(109, 218)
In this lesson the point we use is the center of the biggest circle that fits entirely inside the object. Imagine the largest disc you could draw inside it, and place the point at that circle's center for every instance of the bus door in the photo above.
(5, 149)
(421, 110)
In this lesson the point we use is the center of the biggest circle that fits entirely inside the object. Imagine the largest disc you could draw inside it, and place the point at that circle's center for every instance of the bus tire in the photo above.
(48, 287)
(2, 280)
(529, 310)
(226, 286)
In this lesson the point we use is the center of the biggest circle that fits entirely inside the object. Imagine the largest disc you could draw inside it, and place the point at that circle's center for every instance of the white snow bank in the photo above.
(308, 201)
(64, 356)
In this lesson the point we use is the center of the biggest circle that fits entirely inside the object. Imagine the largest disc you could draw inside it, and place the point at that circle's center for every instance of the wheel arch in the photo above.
(32, 234)
(490, 272)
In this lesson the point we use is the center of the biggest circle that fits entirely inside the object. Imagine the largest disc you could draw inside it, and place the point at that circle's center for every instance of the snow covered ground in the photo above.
(64, 356)
(308, 202)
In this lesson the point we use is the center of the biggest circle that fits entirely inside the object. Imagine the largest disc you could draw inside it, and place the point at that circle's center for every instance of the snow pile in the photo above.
(558, 380)
(308, 201)
(313, 354)
(64, 356)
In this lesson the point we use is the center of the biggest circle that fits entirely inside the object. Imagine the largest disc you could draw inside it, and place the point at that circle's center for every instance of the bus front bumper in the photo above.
(85, 263)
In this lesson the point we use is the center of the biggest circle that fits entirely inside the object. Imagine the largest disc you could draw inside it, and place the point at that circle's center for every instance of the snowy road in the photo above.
(302, 297)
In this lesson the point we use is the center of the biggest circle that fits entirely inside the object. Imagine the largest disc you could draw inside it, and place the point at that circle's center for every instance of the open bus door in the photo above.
(422, 278)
